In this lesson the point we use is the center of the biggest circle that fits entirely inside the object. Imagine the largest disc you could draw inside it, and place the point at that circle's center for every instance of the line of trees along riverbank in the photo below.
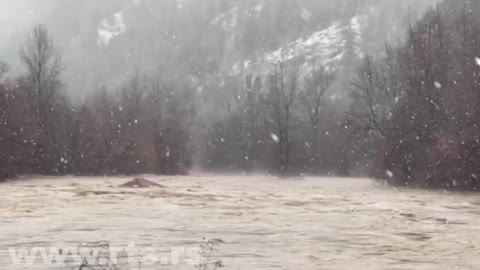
(413, 116)
(422, 101)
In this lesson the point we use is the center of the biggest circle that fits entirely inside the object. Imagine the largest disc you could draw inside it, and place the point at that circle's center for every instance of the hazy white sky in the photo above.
(18, 10)
(15, 15)
(16, 18)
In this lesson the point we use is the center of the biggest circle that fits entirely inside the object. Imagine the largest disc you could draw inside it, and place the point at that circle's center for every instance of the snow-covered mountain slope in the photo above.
(104, 42)
(327, 47)
(334, 42)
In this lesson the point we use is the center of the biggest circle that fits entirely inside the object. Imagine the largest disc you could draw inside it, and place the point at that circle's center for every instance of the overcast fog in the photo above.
(102, 42)
(239, 134)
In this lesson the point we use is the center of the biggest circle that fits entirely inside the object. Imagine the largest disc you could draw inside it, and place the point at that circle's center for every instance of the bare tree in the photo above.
(43, 65)
(284, 85)
(316, 85)
(370, 94)
(158, 97)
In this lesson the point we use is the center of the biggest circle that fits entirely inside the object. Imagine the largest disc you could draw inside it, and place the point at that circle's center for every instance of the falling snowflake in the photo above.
(258, 8)
(389, 174)
(275, 138)
(477, 60)
(438, 85)
(306, 15)
(63, 160)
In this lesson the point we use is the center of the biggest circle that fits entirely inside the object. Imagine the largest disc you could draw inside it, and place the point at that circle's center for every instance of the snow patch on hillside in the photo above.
(357, 25)
(326, 47)
(227, 20)
(110, 28)
(324, 44)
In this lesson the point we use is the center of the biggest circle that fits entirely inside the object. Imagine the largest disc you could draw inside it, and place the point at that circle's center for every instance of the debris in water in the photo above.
(442, 220)
(408, 215)
(140, 183)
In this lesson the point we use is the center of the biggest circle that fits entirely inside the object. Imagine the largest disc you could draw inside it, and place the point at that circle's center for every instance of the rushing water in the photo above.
(266, 223)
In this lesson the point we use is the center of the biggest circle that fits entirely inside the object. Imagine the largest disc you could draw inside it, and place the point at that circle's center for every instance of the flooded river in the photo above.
(266, 223)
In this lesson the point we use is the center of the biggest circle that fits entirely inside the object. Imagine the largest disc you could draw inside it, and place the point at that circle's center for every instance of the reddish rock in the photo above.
(140, 183)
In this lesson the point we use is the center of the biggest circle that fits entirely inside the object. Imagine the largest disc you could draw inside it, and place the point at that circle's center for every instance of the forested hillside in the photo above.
(106, 42)
(285, 87)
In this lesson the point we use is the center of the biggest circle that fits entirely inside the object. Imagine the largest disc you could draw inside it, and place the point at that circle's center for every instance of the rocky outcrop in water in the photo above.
(140, 183)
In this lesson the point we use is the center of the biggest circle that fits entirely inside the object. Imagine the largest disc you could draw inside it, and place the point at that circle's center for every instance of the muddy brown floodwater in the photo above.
(266, 223)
